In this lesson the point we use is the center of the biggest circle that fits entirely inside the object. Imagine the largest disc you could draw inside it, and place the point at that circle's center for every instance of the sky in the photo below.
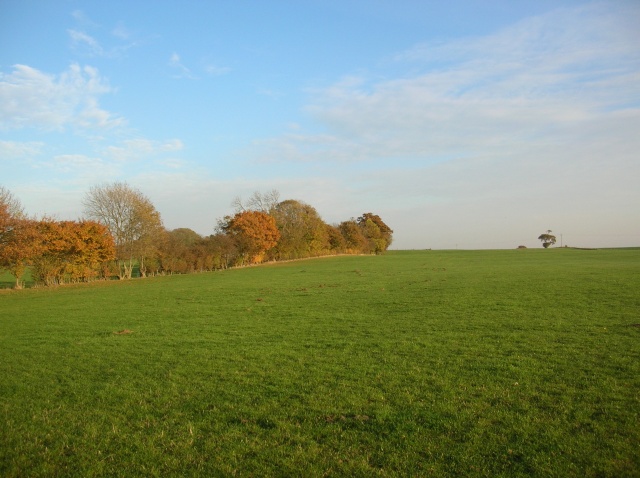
(462, 124)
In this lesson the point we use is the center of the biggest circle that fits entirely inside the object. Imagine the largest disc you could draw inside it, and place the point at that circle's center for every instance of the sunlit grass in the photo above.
(483, 363)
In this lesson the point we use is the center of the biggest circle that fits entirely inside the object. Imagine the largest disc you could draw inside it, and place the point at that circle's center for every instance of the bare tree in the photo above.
(261, 202)
(132, 220)
(11, 204)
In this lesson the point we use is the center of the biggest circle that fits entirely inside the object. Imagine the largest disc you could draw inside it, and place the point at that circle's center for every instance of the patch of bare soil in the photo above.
(123, 332)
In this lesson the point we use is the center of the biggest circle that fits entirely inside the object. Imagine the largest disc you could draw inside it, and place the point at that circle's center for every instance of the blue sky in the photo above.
(462, 124)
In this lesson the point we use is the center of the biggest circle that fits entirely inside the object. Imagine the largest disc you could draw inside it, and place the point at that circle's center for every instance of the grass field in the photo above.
(443, 363)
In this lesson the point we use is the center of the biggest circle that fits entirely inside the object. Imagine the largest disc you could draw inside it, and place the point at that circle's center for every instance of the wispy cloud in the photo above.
(121, 32)
(206, 67)
(74, 163)
(181, 70)
(16, 150)
(86, 43)
(214, 70)
(99, 44)
(545, 79)
(135, 149)
(544, 112)
(83, 19)
(33, 99)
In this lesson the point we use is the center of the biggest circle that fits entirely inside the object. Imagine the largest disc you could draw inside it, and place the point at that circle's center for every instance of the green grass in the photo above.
(8, 281)
(450, 363)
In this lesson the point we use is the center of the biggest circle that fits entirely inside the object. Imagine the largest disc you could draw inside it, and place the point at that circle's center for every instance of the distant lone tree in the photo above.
(547, 239)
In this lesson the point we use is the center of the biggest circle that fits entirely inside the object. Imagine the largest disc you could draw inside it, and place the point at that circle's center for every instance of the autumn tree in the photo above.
(254, 233)
(94, 247)
(376, 231)
(19, 245)
(18, 237)
(177, 251)
(336, 240)
(354, 238)
(547, 239)
(302, 232)
(222, 250)
(71, 251)
(132, 220)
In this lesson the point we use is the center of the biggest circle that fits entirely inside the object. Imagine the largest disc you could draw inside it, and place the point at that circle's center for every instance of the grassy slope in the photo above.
(483, 363)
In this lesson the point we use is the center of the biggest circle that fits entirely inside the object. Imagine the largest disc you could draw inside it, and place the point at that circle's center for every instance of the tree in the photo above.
(177, 251)
(19, 245)
(302, 232)
(18, 236)
(71, 251)
(254, 233)
(262, 202)
(10, 213)
(376, 231)
(223, 250)
(9, 205)
(132, 220)
(547, 239)
(354, 238)
(336, 239)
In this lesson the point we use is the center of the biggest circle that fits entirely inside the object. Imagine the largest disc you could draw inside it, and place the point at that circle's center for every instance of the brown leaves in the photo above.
(255, 232)
(70, 250)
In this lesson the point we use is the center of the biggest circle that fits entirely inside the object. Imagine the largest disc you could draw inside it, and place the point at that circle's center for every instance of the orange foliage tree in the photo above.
(254, 233)
(18, 237)
(71, 251)
(19, 244)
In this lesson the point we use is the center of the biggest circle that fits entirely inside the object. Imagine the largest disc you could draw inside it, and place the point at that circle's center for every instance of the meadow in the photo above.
(414, 363)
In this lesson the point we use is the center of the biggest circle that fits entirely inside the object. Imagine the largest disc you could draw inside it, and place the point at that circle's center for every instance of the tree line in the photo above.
(122, 231)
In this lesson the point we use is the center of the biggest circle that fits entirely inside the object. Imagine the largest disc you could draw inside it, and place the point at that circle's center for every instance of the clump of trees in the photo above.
(122, 231)
(71, 251)
(58, 252)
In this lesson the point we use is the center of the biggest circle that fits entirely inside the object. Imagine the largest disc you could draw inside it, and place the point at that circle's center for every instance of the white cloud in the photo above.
(533, 126)
(97, 44)
(206, 66)
(121, 32)
(546, 79)
(33, 99)
(214, 70)
(521, 85)
(82, 19)
(173, 163)
(134, 149)
(12, 150)
(182, 71)
(75, 163)
(86, 43)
